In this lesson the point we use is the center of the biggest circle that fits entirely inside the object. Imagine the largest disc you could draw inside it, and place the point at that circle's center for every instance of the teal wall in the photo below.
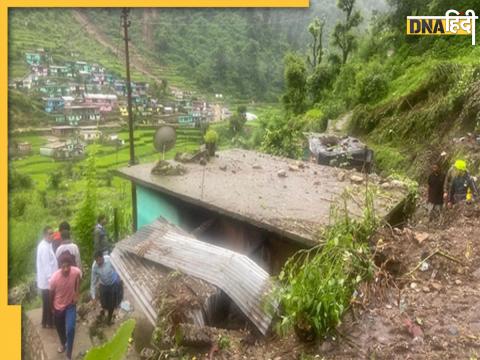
(151, 205)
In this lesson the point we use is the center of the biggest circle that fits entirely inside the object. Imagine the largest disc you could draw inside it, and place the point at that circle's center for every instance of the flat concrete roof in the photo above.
(249, 189)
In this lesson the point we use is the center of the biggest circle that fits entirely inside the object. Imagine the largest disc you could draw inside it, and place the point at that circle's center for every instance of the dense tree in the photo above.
(238, 120)
(316, 46)
(343, 36)
(295, 84)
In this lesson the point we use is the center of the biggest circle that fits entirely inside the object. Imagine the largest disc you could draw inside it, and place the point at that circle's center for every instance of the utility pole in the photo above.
(126, 24)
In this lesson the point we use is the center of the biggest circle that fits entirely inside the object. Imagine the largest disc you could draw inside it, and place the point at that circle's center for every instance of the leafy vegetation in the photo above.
(117, 347)
(85, 218)
(316, 285)
(211, 137)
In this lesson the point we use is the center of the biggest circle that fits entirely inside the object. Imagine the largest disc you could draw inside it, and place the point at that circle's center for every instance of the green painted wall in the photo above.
(151, 205)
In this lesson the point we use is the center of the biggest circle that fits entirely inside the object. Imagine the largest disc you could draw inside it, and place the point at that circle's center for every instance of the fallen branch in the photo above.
(450, 257)
(436, 252)
(420, 263)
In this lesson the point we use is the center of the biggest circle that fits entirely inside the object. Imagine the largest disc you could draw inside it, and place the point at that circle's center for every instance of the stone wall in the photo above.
(32, 347)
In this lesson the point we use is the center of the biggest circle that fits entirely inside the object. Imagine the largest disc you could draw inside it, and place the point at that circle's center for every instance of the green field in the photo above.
(31, 208)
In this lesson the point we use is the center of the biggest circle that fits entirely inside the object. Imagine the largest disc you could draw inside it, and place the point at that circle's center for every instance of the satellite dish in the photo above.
(164, 138)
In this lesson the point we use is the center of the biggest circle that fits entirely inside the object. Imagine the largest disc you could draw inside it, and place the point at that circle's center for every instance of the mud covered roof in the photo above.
(291, 198)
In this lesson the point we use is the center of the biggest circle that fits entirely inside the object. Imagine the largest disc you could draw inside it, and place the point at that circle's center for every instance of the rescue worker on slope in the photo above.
(459, 185)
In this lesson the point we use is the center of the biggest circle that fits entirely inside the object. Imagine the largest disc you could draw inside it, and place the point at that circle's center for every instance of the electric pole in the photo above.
(126, 24)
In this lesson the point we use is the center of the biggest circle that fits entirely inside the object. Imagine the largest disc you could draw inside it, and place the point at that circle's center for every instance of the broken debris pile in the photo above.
(165, 167)
(182, 303)
(430, 308)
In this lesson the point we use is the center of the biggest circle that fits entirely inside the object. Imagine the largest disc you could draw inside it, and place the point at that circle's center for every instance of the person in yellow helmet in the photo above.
(460, 184)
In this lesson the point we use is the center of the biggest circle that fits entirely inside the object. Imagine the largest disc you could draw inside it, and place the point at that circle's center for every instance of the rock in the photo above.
(326, 346)
(436, 286)
(256, 166)
(397, 231)
(300, 165)
(414, 330)
(425, 266)
(452, 330)
(282, 173)
(421, 236)
(223, 167)
(398, 184)
(426, 289)
(356, 179)
(476, 274)
(386, 186)
(126, 306)
(203, 161)
(292, 168)
(317, 183)
(413, 285)
(458, 282)
(167, 168)
(341, 176)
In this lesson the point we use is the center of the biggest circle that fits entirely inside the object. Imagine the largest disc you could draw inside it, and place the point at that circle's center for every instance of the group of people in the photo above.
(455, 187)
(59, 272)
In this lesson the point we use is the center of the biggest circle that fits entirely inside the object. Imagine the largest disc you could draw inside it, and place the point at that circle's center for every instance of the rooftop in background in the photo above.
(101, 96)
(246, 185)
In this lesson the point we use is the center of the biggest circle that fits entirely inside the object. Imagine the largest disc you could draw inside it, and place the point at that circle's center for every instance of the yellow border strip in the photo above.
(164, 3)
(10, 316)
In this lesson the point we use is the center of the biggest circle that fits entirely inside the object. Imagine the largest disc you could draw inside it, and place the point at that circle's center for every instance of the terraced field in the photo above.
(107, 157)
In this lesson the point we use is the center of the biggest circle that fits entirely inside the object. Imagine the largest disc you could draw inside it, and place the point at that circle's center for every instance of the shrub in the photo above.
(284, 137)
(17, 180)
(321, 80)
(55, 180)
(24, 234)
(86, 215)
(316, 285)
(389, 160)
(372, 88)
(211, 137)
(316, 120)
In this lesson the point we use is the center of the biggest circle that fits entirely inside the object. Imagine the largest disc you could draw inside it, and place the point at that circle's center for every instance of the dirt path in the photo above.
(136, 60)
(339, 125)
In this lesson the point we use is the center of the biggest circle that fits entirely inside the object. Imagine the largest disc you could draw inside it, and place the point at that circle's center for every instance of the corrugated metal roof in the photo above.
(239, 277)
(143, 278)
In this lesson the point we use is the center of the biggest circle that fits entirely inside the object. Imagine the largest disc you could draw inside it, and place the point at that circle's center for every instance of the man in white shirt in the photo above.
(46, 266)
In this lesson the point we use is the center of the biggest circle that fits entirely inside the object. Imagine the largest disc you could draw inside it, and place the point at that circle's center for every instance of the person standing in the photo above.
(68, 246)
(100, 238)
(110, 285)
(57, 237)
(46, 266)
(64, 293)
(435, 192)
(461, 185)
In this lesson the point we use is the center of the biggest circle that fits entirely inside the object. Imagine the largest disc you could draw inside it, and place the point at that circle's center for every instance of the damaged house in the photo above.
(233, 221)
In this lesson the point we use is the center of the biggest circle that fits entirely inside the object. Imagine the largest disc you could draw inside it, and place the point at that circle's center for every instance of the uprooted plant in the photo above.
(316, 285)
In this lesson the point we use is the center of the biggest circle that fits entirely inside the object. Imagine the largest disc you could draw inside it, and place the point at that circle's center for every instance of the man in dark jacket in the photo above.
(101, 242)
(435, 192)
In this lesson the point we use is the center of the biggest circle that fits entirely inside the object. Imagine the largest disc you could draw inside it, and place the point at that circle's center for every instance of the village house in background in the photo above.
(79, 93)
